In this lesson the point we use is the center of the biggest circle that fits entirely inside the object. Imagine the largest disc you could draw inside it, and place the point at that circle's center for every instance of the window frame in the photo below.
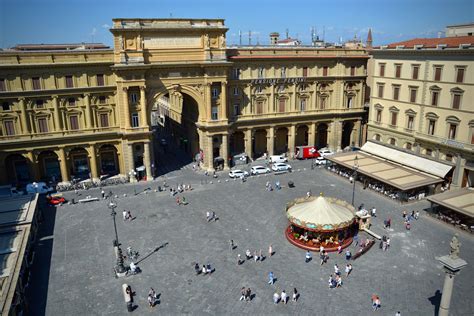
(3, 85)
(135, 120)
(74, 124)
(102, 120)
(42, 123)
(398, 70)
(69, 81)
(101, 82)
(36, 83)
(396, 88)
(437, 72)
(380, 90)
(415, 69)
(413, 94)
(458, 68)
(9, 127)
(382, 69)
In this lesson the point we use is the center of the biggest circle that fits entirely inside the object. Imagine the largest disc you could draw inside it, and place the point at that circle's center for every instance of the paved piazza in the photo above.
(73, 275)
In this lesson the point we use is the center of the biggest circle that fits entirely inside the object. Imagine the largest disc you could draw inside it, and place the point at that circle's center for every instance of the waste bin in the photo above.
(291, 184)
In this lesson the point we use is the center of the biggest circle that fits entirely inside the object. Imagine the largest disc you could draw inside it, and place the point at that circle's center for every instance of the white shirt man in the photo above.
(284, 297)
(133, 267)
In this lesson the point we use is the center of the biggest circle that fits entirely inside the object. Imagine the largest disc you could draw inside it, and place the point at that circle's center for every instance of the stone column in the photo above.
(335, 139)
(143, 108)
(291, 140)
(271, 140)
(272, 99)
(147, 160)
(23, 119)
(126, 108)
(131, 165)
(35, 174)
(225, 150)
(93, 163)
(224, 115)
(248, 107)
(208, 153)
(63, 164)
(458, 172)
(57, 121)
(248, 143)
(312, 134)
(356, 133)
(293, 99)
(87, 101)
(207, 101)
(32, 123)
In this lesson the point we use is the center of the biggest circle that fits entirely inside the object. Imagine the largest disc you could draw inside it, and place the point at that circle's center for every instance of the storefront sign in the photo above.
(278, 80)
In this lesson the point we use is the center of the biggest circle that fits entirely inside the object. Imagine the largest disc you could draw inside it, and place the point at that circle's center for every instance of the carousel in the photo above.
(321, 221)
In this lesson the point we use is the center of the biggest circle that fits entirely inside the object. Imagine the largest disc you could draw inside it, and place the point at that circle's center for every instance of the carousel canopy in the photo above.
(321, 213)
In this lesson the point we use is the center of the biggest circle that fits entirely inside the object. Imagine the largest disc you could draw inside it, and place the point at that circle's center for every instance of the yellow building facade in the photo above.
(421, 101)
(79, 112)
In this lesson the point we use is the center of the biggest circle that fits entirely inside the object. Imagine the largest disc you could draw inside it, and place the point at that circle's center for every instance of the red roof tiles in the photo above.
(450, 42)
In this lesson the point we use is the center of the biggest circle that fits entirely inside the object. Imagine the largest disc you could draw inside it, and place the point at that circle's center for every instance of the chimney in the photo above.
(274, 37)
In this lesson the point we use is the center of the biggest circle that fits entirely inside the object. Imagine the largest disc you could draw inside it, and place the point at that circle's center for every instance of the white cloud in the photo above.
(105, 26)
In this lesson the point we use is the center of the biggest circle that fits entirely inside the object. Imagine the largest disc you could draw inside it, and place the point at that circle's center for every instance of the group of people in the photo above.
(256, 256)
(384, 243)
(127, 215)
(283, 297)
(211, 216)
(269, 187)
(408, 218)
(206, 268)
(245, 294)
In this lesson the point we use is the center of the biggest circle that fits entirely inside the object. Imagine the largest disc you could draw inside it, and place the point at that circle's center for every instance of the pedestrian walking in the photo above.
(204, 270)
(417, 215)
(124, 215)
(339, 249)
(388, 242)
(348, 255)
(295, 294)
(242, 294)
(197, 269)
(374, 212)
(336, 270)
(398, 314)
(284, 297)
(375, 302)
(151, 301)
(338, 281)
(260, 255)
(255, 256)
(270, 250)
(356, 239)
(239, 260)
(276, 298)
(271, 278)
(247, 254)
(307, 257)
(177, 201)
(103, 194)
(348, 269)
(231, 242)
(248, 293)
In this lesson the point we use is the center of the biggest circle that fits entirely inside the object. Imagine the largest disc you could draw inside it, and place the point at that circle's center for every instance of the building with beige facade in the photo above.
(422, 93)
(86, 110)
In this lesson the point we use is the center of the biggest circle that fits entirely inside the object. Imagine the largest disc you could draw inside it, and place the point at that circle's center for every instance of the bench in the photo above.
(88, 200)
(280, 172)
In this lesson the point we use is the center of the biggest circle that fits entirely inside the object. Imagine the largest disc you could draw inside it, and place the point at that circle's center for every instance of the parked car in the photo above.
(38, 187)
(55, 199)
(238, 173)
(280, 166)
(259, 170)
(320, 161)
(325, 152)
(277, 158)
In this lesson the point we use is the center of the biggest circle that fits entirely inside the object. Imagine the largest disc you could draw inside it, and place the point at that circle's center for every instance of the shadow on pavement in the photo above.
(435, 301)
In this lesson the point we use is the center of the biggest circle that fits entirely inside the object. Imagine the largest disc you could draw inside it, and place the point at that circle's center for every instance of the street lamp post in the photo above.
(120, 269)
(354, 177)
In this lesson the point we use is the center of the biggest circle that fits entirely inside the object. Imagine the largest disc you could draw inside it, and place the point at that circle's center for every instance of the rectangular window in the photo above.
(415, 72)
(305, 71)
(353, 70)
(100, 80)
(104, 120)
(382, 70)
(456, 101)
(303, 105)
(102, 99)
(411, 121)
(39, 104)
(323, 102)
(71, 102)
(431, 127)
(42, 125)
(429, 152)
(36, 83)
(69, 82)
(349, 102)
(378, 118)
(235, 73)
(259, 107)
(261, 73)
(135, 122)
(214, 113)
(236, 90)
(437, 73)
(73, 122)
(396, 92)
(452, 131)
(236, 109)
(133, 98)
(434, 97)
(325, 71)
(215, 93)
(6, 106)
(283, 72)
(413, 95)
(3, 86)
(281, 105)
(459, 75)
(9, 128)
(394, 118)
(398, 70)
(380, 91)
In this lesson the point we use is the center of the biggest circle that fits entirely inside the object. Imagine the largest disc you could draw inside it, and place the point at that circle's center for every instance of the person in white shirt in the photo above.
(276, 298)
(133, 267)
(284, 297)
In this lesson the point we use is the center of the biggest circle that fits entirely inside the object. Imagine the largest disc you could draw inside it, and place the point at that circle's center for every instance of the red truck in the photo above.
(306, 152)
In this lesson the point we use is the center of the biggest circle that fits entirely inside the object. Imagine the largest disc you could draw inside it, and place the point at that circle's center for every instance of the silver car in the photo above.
(259, 170)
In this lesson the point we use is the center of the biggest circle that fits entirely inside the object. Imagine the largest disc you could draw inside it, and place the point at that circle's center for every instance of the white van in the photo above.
(279, 158)
(38, 187)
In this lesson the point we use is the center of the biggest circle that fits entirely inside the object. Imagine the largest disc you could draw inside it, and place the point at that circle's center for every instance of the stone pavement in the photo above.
(80, 281)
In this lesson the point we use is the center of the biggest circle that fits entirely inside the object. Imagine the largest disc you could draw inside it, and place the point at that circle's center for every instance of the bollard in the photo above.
(128, 296)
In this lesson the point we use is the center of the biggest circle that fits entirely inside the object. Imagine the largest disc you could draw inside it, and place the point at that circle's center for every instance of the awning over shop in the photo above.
(397, 176)
(461, 201)
(419, 163)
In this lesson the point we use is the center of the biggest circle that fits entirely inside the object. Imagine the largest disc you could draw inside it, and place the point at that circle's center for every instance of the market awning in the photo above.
(461, 201)
(419, 163)
(395, 175)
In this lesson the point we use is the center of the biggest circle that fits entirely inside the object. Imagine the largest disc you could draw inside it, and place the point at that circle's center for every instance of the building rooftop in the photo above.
(50, 47)
(444, 42)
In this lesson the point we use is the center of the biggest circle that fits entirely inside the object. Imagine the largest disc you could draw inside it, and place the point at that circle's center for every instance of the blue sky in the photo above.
(66, 21)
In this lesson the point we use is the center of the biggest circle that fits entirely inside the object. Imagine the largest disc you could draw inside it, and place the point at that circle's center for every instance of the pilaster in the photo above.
(224, 115)
(23, 119)
(271, 140)
(57, 121)
(87, 101)
(93, 163)
(146, 160)
(312, 134)
(143, 107)
(291, 140)
(248, 143)
(63, 164)
(126, 108)
(225, 150)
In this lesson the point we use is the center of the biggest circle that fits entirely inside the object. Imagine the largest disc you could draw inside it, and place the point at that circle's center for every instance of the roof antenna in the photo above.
(287, 33)
(250, 38)
(240, 38)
